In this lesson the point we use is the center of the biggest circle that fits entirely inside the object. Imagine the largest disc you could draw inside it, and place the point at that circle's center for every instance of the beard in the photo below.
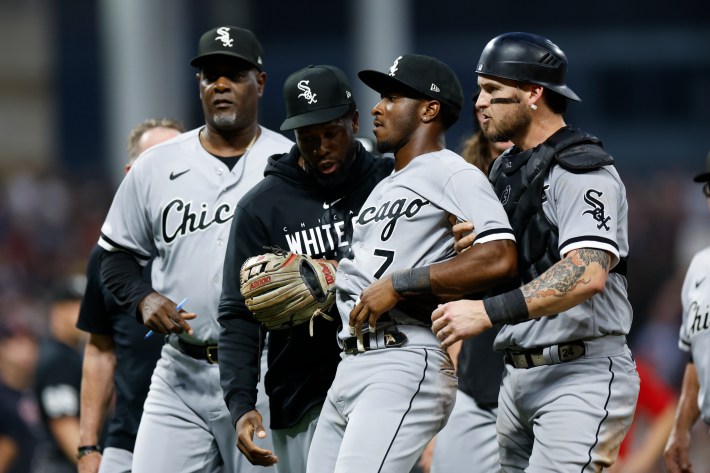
(508, 126)
(224, 120)
(329, 181)
(337, 179)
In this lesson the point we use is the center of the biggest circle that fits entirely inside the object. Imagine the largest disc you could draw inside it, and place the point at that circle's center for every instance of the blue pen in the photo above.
(177, 307)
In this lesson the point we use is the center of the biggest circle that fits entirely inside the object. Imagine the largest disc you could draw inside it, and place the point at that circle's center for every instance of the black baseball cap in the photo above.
(316, 94)
(424, 75)
(230, 41)
(704, 177)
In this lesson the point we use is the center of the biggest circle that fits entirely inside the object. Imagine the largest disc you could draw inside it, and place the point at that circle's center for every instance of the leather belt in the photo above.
(538, 357)
(391, 339)
(209, 353)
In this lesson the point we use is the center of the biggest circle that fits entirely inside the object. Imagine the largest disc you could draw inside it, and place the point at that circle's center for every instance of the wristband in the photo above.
(85, 450)
(507, 308)
(414, 280)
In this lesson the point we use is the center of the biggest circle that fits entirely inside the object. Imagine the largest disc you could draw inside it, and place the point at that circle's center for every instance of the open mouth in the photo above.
(328, 167)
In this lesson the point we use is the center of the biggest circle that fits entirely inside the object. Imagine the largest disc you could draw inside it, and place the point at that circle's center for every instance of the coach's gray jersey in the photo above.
(695, 329)
(590, 210)
(404, 223)
(179, 202)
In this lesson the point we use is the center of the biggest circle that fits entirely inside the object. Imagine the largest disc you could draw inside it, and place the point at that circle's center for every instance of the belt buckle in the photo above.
(212, 354)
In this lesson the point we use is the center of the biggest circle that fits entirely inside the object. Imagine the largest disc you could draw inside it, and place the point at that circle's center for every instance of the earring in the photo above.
(533, 106)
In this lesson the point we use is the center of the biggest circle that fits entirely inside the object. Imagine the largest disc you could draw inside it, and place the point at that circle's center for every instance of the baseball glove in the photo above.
(284, 289)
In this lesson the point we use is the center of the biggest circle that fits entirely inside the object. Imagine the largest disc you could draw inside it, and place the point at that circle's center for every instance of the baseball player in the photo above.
(117, 358)
(176, 206)
(305, 204)
(694, 338)
(395, 387)
(570, 387)
(58, 376)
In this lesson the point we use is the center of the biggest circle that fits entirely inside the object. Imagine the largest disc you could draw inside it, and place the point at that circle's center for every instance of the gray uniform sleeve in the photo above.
(587, 209)
(470, 191)
(127, 225)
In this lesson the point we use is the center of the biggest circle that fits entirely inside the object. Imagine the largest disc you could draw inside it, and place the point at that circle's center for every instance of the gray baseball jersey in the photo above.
(404, 224)
(385, 404)
(695, 329)
(178, 205)
(595, 394)
(590, 211)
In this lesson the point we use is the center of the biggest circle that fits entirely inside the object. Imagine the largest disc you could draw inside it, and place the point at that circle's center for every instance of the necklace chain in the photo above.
(251, 143)
(248, 147)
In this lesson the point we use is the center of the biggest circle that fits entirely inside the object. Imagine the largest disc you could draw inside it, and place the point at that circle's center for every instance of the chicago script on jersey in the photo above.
(182, 219)
(392, 211)
(700, 321)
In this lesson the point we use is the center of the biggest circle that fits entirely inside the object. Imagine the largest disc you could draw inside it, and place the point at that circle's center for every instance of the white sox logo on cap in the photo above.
(223, 35)
(393, 68)
(307, 94)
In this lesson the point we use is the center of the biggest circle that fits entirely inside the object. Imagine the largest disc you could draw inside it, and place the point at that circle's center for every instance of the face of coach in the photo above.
(329, 148)
(230, 90)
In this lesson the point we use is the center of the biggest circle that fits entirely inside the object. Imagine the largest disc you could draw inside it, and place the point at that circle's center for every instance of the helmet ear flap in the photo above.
(527, 57)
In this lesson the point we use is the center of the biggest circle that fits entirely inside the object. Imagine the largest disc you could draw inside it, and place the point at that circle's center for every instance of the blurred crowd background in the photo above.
(76, 75)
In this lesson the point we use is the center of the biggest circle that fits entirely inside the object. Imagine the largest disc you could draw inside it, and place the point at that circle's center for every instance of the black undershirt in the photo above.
(229, 161)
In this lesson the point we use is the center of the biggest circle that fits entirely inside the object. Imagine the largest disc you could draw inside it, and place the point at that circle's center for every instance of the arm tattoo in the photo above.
(589, 256)
(565, 275)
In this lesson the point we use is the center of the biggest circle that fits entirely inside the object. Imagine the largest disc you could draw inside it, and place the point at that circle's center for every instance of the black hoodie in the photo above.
(291, 210)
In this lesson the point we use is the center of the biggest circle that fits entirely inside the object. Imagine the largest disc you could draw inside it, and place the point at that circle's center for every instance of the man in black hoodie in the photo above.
(305, 204)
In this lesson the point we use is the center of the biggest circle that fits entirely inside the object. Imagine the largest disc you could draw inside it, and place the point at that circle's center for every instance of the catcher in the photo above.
(305, 204)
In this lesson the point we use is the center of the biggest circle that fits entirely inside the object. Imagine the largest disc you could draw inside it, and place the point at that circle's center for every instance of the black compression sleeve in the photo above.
(123, 277)
(507, 308)
(416, 280)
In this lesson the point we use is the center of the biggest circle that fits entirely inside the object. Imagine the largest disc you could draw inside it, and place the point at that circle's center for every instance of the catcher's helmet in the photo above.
(526, 57)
